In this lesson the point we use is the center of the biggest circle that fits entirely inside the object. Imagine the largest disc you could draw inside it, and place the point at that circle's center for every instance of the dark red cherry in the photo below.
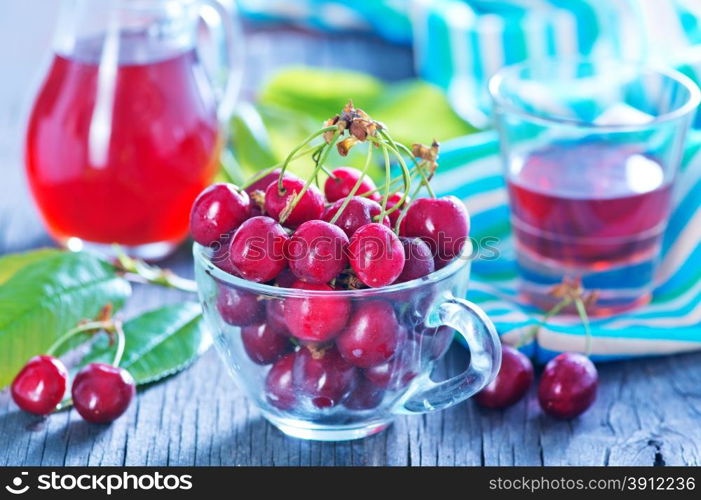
(40, 386)
(257, 250)
(359, 212)
(393, 199)
(102, 393)
(443, 223)
(344, 179)
(263, 183)
(279, 388)
(239, 307)
(317, 251)
(263, 344)
(376, 255)
(568, 385)
(219, 209)
(396, 373)
(309, 207)
(316, 318)
(418, 259)
(372, 335)
(365, 396)
(275, 316)
(511, 383)
(323, 375)
(220, 256)
(285, 279)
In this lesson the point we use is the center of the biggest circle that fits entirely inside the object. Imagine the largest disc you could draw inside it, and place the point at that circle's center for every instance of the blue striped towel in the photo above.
(671, 323)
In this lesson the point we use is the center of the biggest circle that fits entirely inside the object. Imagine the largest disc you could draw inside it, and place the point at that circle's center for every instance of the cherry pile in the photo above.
(342, 234)
(100, 392)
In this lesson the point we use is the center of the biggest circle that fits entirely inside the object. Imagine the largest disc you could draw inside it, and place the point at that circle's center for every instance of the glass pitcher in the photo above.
(126, 129)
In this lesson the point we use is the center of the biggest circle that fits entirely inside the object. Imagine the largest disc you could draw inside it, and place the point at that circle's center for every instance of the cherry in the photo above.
(359, 212)
(285, 279)
(345, 179)
(443, 223)
(323, 375)
(372, 335)
(257, 249)
(239, 307)
(102, 392)
(310, 205)
(40, 386)
(263, 343)
(418, 259)
(365, 396)
(393, 199)
(279, 389)
(376, 255)
(568, 385)
(511, 383)
(263, 183)
(275, 316)
(393, 374)
(217, 210)
(220, 256)
(316, 319)
(317, 251)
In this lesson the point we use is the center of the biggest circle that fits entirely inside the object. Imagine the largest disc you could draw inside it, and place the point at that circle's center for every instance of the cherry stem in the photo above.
(388, 177)
(582, 311)
(290, 156)
(355, 188)
(419, 165)
(121, 343)
(83, 327)
(138, 271)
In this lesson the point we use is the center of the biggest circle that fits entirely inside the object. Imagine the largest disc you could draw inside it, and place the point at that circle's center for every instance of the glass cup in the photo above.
(309, 390)
(590, 153)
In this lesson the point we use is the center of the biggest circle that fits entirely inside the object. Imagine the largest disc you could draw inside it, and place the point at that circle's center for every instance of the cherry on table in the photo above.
(239, 307)
(376, 255)
(568, 385)
(323, 375)
(316, 318)
(372, 335)
(341, 183)
(418, 259)
(40, 385)
(358, 212)
(218, 210)
(101, 393)
(511, 383)
(316, 252)
(263, 343)
(279, 388)
(309, 207)
(257, 249)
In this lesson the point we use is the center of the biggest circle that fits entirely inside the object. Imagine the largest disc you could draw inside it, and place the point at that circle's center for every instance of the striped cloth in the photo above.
(471, 170)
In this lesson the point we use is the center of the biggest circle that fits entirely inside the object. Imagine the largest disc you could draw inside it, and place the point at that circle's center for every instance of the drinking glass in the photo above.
(125, 131)
(590, 153)
(308, 390)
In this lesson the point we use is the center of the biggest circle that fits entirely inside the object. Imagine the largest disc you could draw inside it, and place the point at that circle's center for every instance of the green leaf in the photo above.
(158, 343)
(44, 299)
(10, 264)
(252, 146)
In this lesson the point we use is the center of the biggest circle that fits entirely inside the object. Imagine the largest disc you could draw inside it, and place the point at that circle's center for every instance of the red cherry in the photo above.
(372, 335)
(263, 344)
(365, 396)
(418, 259)
(376, 255)
(263, 183)
(257, 250)
(568, 385)
(359, 212)
(40, 386)
(436, 341)
(317, 251)
(219, 209)
(220, 256)
(342, 185)
(102, 393)
(285, 279)
(279, 388)
(239, 307)
(511, 383)
(316, 319)
(396, 373)
(443, 223)
(393, 199)
(309, 207)
(323, 375)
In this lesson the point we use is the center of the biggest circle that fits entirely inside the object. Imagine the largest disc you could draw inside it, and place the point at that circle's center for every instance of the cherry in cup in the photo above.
(316, 318)
(40, 386)
(279, 199)
(239, 307)
(257, 249)
(342, 181)
(280, 390)
(357, 213)
(376, 255)
(317, 251)
(218, 210)
(323, 375)
(263, 343)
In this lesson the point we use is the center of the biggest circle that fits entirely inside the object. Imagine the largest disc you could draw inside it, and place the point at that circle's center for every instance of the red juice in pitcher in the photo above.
(119, 146)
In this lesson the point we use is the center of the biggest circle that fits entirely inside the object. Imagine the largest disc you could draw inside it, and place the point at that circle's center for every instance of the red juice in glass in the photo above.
(118, 150)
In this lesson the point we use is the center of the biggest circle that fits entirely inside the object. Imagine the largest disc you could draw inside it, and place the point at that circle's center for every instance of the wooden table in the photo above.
(647, 412)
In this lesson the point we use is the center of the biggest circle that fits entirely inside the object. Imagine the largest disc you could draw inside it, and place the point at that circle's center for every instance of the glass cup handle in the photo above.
(485, 359)
(234, 53)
